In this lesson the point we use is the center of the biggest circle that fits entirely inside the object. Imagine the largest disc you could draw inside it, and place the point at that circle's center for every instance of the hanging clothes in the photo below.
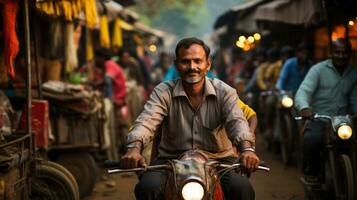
(71, 52)
(104, 32)
(117, 39)
(11, 47)
(90, 10)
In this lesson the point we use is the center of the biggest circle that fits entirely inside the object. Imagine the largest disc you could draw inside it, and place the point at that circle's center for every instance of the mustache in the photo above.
(192, 70)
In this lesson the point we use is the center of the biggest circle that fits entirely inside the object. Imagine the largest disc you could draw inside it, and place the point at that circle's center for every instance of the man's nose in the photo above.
(192, 65)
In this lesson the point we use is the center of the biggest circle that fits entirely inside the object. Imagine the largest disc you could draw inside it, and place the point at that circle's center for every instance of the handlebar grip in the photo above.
(298, 118)
(111, 163)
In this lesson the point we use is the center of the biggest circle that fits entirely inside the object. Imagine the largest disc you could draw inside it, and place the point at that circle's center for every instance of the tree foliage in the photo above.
(184, 17)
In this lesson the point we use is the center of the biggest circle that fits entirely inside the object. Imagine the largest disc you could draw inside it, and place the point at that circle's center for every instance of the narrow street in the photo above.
(281, 183)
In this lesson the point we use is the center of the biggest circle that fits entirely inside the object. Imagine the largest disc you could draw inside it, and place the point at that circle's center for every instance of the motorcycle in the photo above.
(338, 174)
(284, 128)
(193, 175)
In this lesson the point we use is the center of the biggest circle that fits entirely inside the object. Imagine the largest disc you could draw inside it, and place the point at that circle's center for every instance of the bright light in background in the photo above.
(251, 39)
(351, 23)
(240, 44)
(257, 36)
(242, 38)
(246, 48)
(153, 48)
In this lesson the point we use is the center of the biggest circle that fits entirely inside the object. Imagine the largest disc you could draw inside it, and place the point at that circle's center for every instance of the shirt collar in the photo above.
(347, 70)
(208, 88)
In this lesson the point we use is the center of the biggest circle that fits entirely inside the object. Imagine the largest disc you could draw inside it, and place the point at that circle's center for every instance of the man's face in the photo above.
(125, 58)
(192, 64)
(340, 55)
(302, 55)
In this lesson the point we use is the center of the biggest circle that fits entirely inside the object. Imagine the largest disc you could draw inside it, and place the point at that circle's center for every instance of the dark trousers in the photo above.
(151, 186)
(313, 147)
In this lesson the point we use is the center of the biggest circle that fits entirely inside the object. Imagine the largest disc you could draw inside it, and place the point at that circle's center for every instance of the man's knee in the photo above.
(238, 187)
(151, 186)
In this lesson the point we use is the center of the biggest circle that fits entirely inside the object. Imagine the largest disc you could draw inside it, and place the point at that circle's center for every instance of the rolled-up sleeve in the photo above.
(306, 89)
(235, 124)
(153, 114)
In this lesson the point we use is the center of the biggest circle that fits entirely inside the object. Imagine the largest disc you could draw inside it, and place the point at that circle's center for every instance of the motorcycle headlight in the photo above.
(344, 132)
(287, 102)
(192, 191)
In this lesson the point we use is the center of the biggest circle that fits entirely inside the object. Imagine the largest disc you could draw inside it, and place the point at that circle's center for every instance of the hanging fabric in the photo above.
(117, 39)
(104, 32)
(11, 47)
(71, 51)
(89, 45)
(90, 10)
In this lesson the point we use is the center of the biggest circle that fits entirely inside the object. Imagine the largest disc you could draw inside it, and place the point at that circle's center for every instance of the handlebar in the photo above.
(260, 167)
(139, 169)
(315, 116)
(113, 166)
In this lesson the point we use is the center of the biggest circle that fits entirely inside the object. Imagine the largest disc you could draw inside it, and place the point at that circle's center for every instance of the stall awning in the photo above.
(109, 8)
(237, 12)
(146, 29)
(295, 12)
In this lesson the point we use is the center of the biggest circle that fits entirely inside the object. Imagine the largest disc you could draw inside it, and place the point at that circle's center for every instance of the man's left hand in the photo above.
(250, 160)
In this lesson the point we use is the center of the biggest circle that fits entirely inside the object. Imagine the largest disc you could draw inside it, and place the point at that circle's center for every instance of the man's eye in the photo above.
(198, 61)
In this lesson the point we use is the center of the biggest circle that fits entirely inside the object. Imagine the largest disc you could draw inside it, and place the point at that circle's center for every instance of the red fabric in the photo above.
(10, 9)
(119, 88)
(218, 193)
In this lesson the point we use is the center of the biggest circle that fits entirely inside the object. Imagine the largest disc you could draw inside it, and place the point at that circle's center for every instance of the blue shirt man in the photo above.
(292, 75)
(294, 70)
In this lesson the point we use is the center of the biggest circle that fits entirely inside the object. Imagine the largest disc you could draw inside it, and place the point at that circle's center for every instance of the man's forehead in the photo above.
(194, 48)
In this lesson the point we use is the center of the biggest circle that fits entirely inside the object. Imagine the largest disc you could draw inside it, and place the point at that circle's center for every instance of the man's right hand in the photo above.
(132, 159)
(306, 113)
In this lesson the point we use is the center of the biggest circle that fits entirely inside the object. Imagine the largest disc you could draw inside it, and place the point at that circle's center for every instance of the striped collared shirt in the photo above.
(184, 128)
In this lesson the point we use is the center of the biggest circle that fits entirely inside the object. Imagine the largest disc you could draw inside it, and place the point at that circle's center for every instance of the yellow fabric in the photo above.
(89, 46)
(117, 39)
(70, 10)
(262, 69)
(126, 26)
(90, 10)
(273, 72)
(104, 32)
(248, 112)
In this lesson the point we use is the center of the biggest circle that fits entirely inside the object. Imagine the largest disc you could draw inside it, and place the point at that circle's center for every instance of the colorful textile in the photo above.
(11, 48)
(115, 72)
(104, 37)
(248, 112)
(117, 39)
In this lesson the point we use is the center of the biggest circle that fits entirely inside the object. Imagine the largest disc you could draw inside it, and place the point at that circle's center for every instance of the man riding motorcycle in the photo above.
(329, 88)
(193, 112)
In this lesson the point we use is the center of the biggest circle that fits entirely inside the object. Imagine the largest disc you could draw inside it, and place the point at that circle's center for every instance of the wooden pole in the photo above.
(28, 63)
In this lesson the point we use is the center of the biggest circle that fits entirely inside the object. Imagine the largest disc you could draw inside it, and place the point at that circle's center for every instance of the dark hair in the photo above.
(288, 50)
(187, 42)
(342, 41)
(301, 47)
(273, 53)
(103, 53)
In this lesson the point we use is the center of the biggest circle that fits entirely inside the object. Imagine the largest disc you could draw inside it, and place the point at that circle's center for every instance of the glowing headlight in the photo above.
(287, 102)
(192, 191)
(344, 132)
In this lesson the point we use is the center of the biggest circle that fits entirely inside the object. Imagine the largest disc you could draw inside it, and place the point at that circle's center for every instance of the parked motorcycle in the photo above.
(194, 176)
(338, 174)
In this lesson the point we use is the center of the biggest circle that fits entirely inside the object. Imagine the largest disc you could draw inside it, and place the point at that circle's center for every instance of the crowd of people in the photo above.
(171, 88)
